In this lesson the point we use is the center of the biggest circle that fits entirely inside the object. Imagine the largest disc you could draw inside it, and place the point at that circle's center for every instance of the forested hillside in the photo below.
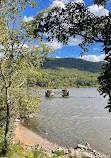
(72, 63)
(67, 72)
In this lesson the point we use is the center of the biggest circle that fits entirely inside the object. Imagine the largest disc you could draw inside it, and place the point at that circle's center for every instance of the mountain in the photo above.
(66, 73)
(72, 63)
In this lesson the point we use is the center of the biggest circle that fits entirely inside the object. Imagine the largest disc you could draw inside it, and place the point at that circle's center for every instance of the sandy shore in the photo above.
(30, 139)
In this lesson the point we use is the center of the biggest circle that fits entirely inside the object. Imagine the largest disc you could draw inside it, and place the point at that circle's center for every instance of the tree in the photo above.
(76, 19)
(19, 59)
(101, 2)
(105, 80)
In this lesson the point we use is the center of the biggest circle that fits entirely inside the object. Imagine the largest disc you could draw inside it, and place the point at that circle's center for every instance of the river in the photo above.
(78, 118)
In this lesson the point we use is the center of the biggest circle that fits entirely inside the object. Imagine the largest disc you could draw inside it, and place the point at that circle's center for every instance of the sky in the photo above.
(72, 49)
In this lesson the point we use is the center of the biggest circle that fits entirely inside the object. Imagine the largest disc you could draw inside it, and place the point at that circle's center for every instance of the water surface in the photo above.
(79, 118)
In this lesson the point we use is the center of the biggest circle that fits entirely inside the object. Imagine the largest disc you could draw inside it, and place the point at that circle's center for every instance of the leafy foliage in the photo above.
(101, 2)
(67, 72)
(1, 139)
(105, 80)
(75, 19)
(16, 150)
(64, 78)
(19, 58)
(71, 63)
(59, 153)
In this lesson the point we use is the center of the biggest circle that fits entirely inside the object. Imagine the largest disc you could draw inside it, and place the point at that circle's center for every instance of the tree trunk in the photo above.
(7, 120)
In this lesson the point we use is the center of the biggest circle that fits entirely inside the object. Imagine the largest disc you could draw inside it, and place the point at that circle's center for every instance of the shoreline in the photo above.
(30, 140)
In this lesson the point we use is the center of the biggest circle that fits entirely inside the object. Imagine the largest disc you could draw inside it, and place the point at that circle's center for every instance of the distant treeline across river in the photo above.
(67, 72)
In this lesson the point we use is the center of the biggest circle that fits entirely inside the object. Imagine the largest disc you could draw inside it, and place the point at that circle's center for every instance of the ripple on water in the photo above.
(79, 118)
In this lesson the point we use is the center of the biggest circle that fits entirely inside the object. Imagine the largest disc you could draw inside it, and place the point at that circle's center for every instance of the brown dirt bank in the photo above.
(30, 139)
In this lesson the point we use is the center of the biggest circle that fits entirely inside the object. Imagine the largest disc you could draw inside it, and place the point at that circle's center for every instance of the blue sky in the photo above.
(72, 50)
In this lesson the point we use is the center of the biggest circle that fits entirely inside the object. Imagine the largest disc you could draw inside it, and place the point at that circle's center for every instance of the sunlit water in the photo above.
(79, 118)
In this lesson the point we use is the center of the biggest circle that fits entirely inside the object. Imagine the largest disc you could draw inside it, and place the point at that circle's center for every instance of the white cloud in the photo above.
(15, 46)
(58, 3)
(64, 1)
(57, 57)
(61, 3)
(72, 42)
(95, 48)
(98, 10)
(95, 9)
(55, 45)
(26, 19)
(75, 41)
(93, 58)
(79, 1)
